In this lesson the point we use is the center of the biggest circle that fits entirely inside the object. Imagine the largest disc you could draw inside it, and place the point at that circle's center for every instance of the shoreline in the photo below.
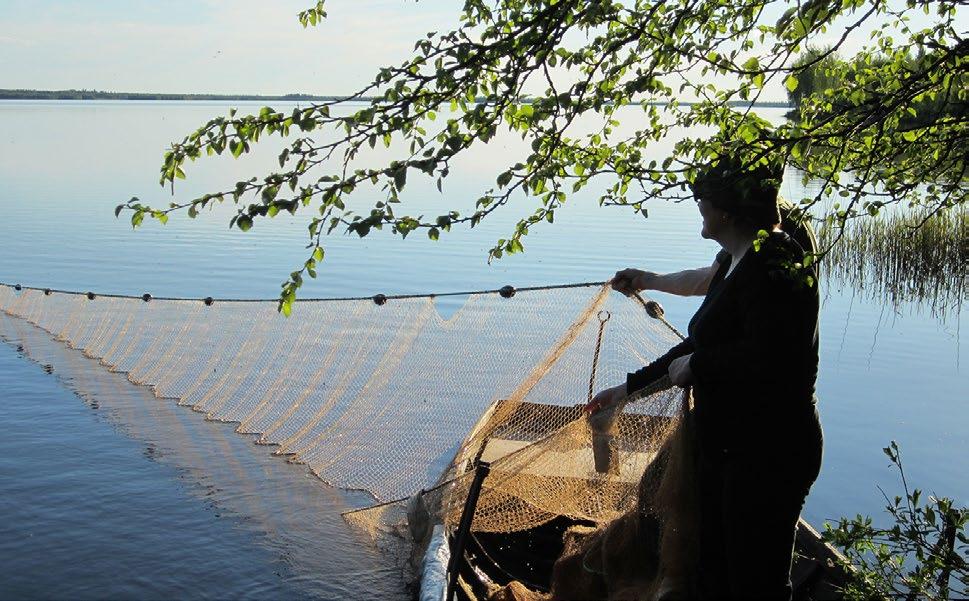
(88, 95)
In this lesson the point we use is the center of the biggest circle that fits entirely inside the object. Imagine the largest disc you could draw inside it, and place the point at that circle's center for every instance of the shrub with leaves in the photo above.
(924, 554)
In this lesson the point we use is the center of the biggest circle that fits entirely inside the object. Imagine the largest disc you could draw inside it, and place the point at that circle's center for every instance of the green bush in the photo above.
(922, 555)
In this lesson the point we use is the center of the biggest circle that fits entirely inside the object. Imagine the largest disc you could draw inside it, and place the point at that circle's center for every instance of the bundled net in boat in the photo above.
(401, 397)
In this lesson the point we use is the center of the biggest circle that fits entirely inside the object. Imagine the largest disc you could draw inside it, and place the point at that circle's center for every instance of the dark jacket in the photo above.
(755, 348)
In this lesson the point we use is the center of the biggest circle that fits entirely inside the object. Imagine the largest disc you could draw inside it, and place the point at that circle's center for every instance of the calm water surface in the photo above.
(108, 492)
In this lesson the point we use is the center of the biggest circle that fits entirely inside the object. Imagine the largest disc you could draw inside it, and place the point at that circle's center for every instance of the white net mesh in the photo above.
(395, 399)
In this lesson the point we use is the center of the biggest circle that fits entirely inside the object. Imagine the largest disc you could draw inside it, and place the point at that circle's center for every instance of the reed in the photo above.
(902, 258)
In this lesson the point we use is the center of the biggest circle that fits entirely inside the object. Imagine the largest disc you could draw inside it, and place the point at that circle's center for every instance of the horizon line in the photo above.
(91, 94)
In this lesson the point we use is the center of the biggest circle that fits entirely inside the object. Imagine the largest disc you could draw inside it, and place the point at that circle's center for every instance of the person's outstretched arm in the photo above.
(689, 282)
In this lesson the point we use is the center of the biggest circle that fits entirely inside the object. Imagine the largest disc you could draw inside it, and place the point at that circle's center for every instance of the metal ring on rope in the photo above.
(603, 316)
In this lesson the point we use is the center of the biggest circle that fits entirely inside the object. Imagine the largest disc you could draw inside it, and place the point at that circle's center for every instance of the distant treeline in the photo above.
(828, 72)
(99, 95)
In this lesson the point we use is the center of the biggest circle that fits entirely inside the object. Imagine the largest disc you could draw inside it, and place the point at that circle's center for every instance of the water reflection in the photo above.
(907, 259)
(289, 512)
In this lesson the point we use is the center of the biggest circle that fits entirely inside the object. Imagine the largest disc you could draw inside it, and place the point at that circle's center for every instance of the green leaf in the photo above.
(400, 178)
(318, 253)
(791, 83)
(747, 132)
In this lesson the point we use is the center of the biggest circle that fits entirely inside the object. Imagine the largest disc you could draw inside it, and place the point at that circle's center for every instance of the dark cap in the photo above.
(742, 190)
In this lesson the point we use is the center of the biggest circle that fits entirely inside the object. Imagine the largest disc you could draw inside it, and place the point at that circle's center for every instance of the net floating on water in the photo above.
(392, 398)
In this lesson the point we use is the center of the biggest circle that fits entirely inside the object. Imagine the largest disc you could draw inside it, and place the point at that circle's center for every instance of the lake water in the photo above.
(107, 492)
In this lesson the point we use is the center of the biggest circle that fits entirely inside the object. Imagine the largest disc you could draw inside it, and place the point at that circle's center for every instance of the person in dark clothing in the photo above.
(752, 359)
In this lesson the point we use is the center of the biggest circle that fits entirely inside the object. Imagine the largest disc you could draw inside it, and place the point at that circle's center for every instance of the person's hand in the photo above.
(605, 398)
(680, 372)
(630, 281)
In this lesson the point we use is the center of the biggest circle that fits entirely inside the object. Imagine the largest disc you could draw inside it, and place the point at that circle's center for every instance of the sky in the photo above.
(220, 46)
(207, 46)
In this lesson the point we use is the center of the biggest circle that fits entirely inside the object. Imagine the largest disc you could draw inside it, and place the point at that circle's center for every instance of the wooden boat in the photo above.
(466, 564)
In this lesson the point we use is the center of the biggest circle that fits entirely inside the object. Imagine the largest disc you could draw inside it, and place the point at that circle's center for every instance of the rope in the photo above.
(603, 316)
(506, 291)
(655, 310)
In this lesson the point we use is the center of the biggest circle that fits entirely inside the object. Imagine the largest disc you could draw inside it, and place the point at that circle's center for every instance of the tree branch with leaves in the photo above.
(535, 67)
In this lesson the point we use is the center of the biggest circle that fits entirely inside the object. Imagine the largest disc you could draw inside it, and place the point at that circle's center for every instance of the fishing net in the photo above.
(401, 397)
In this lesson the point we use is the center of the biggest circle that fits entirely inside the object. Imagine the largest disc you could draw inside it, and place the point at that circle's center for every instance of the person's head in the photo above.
(734, 196)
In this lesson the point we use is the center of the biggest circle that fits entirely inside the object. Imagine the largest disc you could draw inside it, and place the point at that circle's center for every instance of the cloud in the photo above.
(14, 41)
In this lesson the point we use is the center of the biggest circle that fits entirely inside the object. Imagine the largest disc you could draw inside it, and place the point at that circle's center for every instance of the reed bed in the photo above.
(894, 259)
